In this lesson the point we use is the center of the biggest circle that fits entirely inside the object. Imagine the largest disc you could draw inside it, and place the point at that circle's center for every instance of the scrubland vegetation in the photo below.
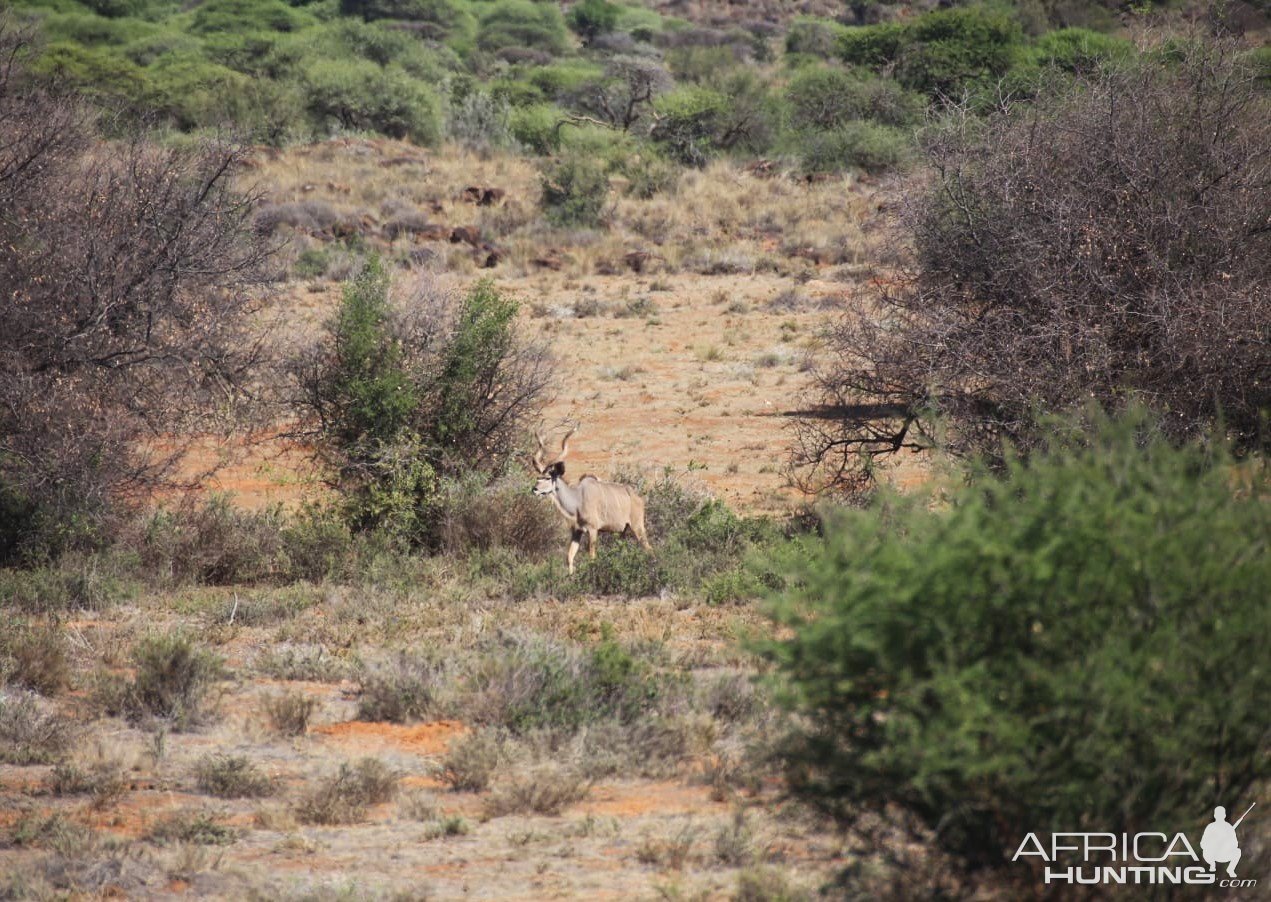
(1025, 244)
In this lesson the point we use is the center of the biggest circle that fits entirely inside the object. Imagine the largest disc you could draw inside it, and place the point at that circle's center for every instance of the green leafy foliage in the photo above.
(825, 98)
(858, 144)
(1074, 642)
(940, 52)
(690, 123)
(523, 684)
(592, 18)
(574, 192)
(523, 24)
(358, 94)
(814, 37)
(403, 398)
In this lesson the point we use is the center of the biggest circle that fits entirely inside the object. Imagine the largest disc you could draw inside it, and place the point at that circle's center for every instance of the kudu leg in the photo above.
(637, 529)
(592, 535)
(575, 537)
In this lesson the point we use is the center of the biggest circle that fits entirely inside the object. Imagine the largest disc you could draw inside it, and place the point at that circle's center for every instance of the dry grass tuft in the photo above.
(289, 712)
(470, 763)
(344, 797)
(231, 777)
(30, 734)
(545, 789)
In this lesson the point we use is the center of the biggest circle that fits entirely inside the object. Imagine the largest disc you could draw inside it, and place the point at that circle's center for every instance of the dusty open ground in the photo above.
(680, 833)
(697, 362)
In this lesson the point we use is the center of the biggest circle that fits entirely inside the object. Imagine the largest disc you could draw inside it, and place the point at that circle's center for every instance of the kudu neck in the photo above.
(566, 497)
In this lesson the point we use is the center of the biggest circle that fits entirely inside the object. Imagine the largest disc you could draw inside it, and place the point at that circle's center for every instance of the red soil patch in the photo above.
(421, 739)
(635, 799)
(133, 815)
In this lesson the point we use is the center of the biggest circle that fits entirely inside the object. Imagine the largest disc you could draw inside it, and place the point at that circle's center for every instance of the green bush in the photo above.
(560, 80)
(470, 763)
(589, 19)
(248, 15)
(826, 98)
(364, 396)
(523, 24)
(118, 9)
(343, 797)
(482, 340)
(212, 544)
(814, 37)
(401, 690)
(874, 46)
(358, 94)
(940, 52)
(575, 190)
(30, 734)
(96, 31)
(859, 145)
(649, 175)
(1077, 50)
(621, 567)
(102, 75)
(145, 50)
(534, 127)
(190, 93)
(476, 515)
(252, 52)
(516, 94)
(442, 19)
(689, 124)
(480, 121)
(73, 583)
(1077, 642)
(231, 777)
(381, 44)
(402, 396)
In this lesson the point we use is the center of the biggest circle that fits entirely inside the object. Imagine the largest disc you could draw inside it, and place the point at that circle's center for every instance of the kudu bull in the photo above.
(590, 506)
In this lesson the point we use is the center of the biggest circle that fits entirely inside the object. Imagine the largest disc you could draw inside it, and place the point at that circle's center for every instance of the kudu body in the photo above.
(590, 506)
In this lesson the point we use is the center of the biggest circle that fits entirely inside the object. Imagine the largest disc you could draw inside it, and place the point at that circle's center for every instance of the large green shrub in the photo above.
(591, 18)
(859, 145)
(96, 73)
(940, 52)
(825, 98)
(814, 37)
(535, 127)
(248, 15)
(522, 24)
(398, 397)
(359, 94)
(1077, 642)
(365, 397)
(1078, 50)
(689, 124)
(574, 192)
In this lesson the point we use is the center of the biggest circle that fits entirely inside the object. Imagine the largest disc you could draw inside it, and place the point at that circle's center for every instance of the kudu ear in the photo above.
(558, 468)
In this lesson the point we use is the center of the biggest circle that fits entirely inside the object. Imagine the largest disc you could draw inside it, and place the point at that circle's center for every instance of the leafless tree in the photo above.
(624, 95)
(1109, 242)
(127, 272)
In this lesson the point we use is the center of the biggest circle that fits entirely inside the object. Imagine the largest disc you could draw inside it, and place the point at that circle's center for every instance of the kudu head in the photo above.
(549, 473)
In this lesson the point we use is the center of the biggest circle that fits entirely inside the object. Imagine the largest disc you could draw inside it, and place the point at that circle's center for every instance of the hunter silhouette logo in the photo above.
(1092, 859)
(1219, 842)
